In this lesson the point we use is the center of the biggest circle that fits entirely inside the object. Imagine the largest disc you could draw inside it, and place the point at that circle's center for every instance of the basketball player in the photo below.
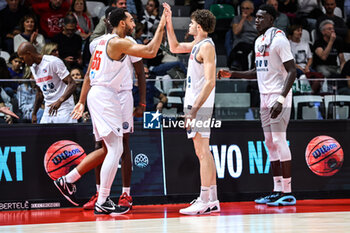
(276, 72)
(199, 100)
(55, 83)
(126, 101)
(108, 66)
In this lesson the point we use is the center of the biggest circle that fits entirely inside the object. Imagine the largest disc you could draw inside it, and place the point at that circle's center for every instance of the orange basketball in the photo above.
(324, 156)
(61, 157)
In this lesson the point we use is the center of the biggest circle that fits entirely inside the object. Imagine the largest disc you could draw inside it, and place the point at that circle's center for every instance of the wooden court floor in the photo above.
(331, 215)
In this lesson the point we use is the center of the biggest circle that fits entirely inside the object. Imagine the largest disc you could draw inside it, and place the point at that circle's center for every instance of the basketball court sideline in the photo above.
(331, 215)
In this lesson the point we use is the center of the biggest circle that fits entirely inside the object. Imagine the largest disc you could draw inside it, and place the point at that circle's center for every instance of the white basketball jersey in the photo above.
(196, 79)
(127, 82)
(48, 76)
(272, 49)
(107, 72)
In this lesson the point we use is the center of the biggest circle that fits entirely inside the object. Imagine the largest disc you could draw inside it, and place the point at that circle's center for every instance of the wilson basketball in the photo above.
(61, 157)
(324, 156)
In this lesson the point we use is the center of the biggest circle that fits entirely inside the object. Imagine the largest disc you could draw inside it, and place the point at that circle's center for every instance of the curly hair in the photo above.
(206, 19)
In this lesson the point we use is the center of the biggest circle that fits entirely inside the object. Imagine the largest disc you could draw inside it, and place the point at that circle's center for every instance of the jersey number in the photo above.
(96, 61)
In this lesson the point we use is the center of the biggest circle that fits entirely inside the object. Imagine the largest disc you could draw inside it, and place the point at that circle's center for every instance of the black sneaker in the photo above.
(284, 199)
(268, 198)
(109, 207)
(68, 190)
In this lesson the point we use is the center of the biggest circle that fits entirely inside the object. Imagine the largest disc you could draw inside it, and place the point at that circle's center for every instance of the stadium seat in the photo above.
(229, 106)
(222, 11)
(305, 36)
(337, 106)
(313, 36)
(5, 55)
(96, 9)
(308, 107)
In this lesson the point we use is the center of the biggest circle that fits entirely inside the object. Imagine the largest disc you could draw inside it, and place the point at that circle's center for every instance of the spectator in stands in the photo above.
(289, 7)
(69, 43)
(151, 92)
(311, 10)
(9, 20)
(5, 99)
(76, 74)
(164, 61)
(300, 50)
(16, 72)
(150, 20)
(327, 50)
(244, 32)
(135, 8)
(26, 93)
(281, 21)
(51, 16)
(29, 33)
(101, 28)
(340, 27)
(138, 33)
(347, 12)
(85, 26)
(343, 87)
(303, 60)
(50, 49)
(4, 119)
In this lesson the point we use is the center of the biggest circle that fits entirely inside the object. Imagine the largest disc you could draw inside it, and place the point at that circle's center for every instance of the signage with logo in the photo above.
(241, 158)
(23, 177)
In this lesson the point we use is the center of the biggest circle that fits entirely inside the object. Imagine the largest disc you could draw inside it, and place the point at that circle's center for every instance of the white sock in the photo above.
(287, 185)
(126, 190)
(97, 187)
(102, 195)
(213, 194)
(205, 194)
(277, 183)
(73, 176)
(109, 167)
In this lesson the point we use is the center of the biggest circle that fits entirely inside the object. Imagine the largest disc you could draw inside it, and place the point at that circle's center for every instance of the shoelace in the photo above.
(74, 188)
(197, 200)
(109, 201)
(126, 197)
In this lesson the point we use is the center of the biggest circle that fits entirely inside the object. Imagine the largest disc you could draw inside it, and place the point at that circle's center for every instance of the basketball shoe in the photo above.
(109, 207)
(91, 203)
(68, 190)
(125, 200)
(268, 198)
(197, 207)
(283, 199)
(214, 206)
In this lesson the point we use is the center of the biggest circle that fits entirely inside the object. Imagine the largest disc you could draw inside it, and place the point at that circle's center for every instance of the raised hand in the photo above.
(33, 37)
(167, 12)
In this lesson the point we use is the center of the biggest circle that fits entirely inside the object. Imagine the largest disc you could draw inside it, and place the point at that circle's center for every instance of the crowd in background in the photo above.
(317, 30)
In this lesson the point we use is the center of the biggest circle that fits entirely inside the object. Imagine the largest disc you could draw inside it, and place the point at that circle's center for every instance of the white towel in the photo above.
(267, 38)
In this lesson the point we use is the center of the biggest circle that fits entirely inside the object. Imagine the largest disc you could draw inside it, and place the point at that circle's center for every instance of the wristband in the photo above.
(281, 99)
(142, 105)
